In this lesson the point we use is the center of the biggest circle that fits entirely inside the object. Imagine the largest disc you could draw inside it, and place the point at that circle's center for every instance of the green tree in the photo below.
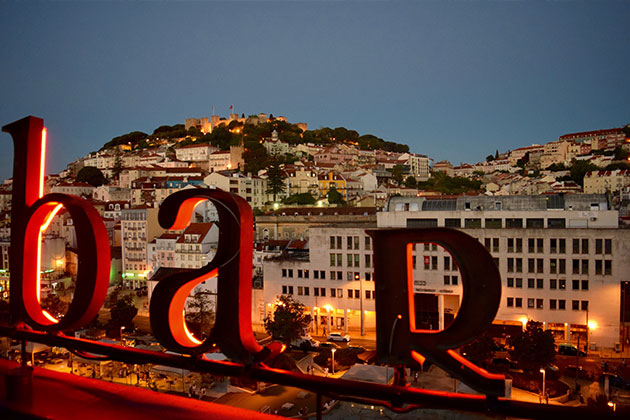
(410, 182)
(626, 130)
(300, 199)
(533, 348)
(480, 350)
(129, 139)
(579, 169)
(118, 165)
(398, 173)
(554, 167)
(54, 305)
(200, 314)
(289, 321)
(335, 197)
(620, 153)
(92, 176)
(122, 314)
(489, 158)
(275, 179)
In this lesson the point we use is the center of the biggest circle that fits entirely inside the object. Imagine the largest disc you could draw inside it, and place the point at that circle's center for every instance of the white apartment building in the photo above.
(562, 262)
(74, 188)
(195, 152)
(197, 245)
(251, 188)
(418, 165)
(601, 182)
(219, 161)
(139, 225)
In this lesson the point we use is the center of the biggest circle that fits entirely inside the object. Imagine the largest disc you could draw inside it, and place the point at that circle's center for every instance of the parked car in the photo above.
(358, 349)
(305, 343)
(328, 346)
(615, 381)
(339, 337)
(503, 364)
(569, 350)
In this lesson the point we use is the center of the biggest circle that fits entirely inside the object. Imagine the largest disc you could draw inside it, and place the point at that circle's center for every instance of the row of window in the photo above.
(558, 266)
(334, 292)
(554, 284)
(352, 242)
(352, 260)
(321, 274)
(556, 245)
(554, 304)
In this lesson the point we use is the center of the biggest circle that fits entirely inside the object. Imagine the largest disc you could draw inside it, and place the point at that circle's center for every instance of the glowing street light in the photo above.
(333, 350)
(543, 383)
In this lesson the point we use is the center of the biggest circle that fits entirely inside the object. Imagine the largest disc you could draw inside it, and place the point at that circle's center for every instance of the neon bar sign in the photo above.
(399, 340)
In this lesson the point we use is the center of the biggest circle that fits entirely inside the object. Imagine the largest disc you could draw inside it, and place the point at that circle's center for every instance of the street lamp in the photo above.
(122, 327)
(357, 277)
(543, 383)
(333, 350)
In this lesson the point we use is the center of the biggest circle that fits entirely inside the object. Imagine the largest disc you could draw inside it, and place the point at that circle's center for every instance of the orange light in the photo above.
(42, 164)
(399, 316)
(418, 357)
(185, 212)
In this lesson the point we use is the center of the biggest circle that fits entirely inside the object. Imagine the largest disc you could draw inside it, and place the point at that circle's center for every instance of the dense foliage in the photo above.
(289, 321)
(533, 348)
(450, 185)
(92, 176)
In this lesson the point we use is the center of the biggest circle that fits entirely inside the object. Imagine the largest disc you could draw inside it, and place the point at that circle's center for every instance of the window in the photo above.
(322, 274)
(553, 284)
(608, 268)
(510, 302)
(290, 272)
(300, 290)
(357, 294)
(576, 246)
(553, 265)
(510, 265)
(453, 223)
(447, 263)
(576, 285)
(514, 223)
(338, 242)
(368, 243)
(333, 292)
(531, 264)
(576, 266)
(562, 284)
(562, 268)
(284, 272)
(510, 282)
(472, 223)
(519, 244)
(290, 290)
(608, 246)
(284, 290)
(584, 284)
(585, 305)
(530, 303)
(368, 276)
(539, 283)
(552, 304)
(339, 275)
(368, 260)
(315, 274)
(332, 275)
(539, 303)
(553, 246)
(584, 266)
(486, 243)
(434, 263)
(510, 245)
(584, 246)
(315, 291)
(535, 223)
(356, 242)
(495, 244)
(349, 242)
(339, 260)
(562, 246)
(599, 246)
(519, 302)
(447, 280)
(562, 304)
(349, 276)
(539, 265)
(299, 273)
(531, 245)
(356, 260)
(575, 305)
(349, 259)
(454, 280)
(368, 294)
(531, 283)
(306, 291)
(519, 265)
(322, 291)
(598, 266)
(339, 293)
(519, 283)
(332, 242)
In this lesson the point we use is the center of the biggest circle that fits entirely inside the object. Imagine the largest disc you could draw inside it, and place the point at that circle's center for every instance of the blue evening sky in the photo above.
(454, 80)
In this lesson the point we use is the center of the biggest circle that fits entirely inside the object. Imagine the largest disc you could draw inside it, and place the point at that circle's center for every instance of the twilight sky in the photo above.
(453, 80)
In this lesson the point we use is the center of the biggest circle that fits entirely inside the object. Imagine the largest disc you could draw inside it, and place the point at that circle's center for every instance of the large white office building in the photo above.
(563, 261)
